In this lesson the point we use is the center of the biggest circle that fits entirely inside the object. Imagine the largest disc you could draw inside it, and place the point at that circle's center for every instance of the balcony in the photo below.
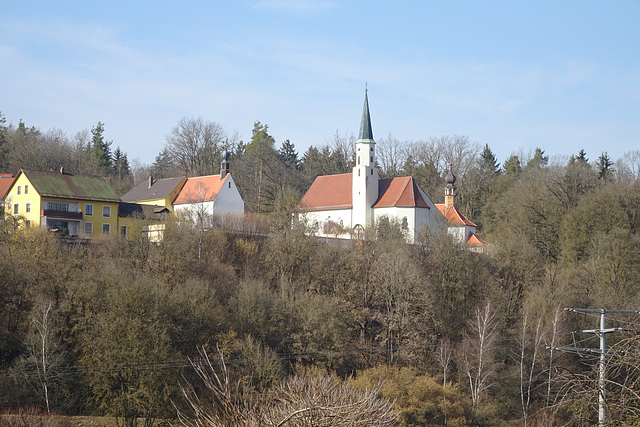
(76, 216)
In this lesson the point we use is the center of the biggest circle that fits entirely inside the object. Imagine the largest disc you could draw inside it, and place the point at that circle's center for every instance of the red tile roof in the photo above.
(329, 192)
(5, 183)
(200, 189)
(454, 216)
(475, 241)
(399, 192)
(335, 192)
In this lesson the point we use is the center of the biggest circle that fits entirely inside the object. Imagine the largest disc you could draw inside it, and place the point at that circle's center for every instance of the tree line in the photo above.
(454, 337)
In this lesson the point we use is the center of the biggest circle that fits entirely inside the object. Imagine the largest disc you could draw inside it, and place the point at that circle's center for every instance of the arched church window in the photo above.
(358, 159)
(358, 232)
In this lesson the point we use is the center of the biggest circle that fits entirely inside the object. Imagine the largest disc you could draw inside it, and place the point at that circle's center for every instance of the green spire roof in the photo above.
(366, 133)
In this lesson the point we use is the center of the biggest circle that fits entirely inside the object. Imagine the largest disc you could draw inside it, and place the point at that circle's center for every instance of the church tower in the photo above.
(365, 173)
(450, 189)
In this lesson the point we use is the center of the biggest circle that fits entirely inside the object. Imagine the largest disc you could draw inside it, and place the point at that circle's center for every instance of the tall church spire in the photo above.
(365, 172)
(366, 133)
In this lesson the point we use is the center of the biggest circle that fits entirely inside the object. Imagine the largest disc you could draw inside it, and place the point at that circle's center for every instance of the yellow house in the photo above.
(156, 192)
(136, 221)
(73, 205)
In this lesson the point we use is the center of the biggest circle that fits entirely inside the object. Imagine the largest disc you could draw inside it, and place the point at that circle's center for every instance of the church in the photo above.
(345, 205)
(462, 230)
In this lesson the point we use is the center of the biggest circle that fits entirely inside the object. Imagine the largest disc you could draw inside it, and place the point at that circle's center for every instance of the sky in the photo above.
(516, 75)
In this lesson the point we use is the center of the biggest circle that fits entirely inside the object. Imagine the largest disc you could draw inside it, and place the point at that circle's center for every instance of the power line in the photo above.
(602, 350)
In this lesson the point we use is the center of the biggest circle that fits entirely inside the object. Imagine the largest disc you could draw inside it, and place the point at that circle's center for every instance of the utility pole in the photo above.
(602, 351)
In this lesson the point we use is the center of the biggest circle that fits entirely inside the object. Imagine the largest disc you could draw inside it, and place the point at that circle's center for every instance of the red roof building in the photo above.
(207, 198)
(5, 184)
(458, 225)
(345, 205)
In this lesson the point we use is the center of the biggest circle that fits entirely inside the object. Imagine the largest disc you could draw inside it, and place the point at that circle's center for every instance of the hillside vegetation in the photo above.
(109, 327)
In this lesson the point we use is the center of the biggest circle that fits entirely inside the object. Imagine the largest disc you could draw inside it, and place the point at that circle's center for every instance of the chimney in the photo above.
(150, 181)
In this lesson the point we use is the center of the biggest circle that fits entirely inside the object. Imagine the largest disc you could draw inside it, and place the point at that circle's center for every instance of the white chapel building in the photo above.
(345, 205)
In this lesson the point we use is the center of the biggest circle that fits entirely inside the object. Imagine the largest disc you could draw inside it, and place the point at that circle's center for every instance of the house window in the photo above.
(27, 206)
(106, 211)
(27, 223)
(19, 190)
(229, 184)
(60, 207)
(106, 228)
(123, 231)
(88, 227)
(88, 210)
(16, 209)
(26, 189)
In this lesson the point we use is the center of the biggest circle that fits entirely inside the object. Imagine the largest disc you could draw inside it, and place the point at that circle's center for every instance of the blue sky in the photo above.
(559, 75)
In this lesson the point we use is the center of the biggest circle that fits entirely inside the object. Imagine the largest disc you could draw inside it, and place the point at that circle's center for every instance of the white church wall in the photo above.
(320, 221)
(401, 215)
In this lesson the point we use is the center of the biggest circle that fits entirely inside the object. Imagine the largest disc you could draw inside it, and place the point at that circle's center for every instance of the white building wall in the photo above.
(318, 220)
(461, 233)
(417, 218)
(228, 200)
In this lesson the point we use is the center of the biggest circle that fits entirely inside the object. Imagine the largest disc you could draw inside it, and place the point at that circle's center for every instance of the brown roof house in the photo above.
(156, 192)
(345, 205)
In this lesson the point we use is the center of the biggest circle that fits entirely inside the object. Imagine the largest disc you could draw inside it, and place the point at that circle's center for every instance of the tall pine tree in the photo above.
(100, 150)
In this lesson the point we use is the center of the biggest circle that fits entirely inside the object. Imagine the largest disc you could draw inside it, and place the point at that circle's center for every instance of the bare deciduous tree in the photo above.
(298, 401)
(391, 156)
(477, 351)
(43, 326)
(528, 364)
(40, 368)
(193, 144)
